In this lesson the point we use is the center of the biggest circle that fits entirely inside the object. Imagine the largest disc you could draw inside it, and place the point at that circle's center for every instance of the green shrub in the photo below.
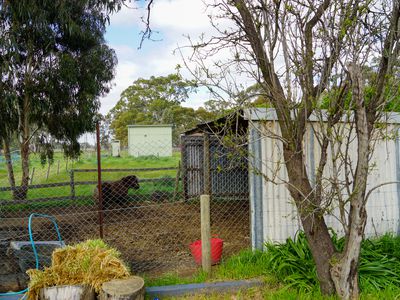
(291, 262)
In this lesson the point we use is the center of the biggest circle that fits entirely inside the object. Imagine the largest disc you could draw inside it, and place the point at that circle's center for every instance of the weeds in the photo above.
(289, 271)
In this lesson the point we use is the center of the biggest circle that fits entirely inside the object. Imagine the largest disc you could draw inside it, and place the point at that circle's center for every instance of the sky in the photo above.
(171, 21)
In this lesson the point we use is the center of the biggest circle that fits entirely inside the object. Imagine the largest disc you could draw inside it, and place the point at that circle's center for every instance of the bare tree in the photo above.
(301, 53)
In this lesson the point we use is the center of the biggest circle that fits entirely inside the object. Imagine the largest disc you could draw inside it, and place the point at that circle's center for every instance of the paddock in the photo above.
(152, 229)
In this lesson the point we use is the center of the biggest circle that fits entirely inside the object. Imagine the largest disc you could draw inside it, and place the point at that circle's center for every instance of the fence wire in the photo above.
(150, 208)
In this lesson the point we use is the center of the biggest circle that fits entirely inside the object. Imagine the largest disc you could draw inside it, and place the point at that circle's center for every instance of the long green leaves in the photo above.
(380, 263)
(291, 262)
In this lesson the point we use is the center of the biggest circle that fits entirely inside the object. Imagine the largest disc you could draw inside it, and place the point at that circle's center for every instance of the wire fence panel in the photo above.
(145, 211)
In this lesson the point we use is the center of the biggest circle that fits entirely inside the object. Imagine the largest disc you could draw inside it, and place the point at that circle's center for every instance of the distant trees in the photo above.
(157, 100)
(54, 65)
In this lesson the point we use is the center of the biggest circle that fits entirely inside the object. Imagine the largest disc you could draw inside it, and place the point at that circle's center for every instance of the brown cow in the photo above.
(116, 192)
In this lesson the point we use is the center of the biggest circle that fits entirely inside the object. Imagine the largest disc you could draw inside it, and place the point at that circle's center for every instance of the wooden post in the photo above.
(72, 184)
(205, 233)
(48, 172)
(33, 173)
(58, 167)
(206, 162)
(178, 175)
(131, 288)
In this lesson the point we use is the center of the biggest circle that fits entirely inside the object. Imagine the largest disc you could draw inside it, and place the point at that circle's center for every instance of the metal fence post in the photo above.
(177, 178)
(48, 172)
(33, 173)
(100, 191)
(72, 184)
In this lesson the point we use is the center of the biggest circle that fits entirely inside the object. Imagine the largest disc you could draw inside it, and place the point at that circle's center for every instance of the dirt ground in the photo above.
(153, 238)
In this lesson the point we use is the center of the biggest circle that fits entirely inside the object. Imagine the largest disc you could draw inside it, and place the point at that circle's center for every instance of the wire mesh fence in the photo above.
(149, 209)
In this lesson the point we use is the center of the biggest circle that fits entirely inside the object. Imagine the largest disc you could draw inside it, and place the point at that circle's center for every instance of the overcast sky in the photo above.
(172, 20)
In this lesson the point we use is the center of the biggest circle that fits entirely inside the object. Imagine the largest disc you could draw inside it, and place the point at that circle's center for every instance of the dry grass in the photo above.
(91, 262)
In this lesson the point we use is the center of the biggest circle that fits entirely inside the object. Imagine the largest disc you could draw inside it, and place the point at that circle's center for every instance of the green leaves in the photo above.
(292, 263)
(156, 100)
(380, 263)
(54, 66)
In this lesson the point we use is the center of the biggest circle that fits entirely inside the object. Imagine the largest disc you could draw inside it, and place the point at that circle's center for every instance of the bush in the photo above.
(292, 263)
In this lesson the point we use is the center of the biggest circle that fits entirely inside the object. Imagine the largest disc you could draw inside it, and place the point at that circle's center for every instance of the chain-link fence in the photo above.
(149, 210)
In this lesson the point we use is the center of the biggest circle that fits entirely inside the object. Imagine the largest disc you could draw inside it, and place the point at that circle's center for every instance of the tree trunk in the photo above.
(10, 169)
(314, 226)
(23, 189)
(24, 144)
(322, 250)
(345, 271)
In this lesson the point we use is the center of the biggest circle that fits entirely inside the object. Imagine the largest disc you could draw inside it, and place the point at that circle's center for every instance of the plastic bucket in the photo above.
(216, 250)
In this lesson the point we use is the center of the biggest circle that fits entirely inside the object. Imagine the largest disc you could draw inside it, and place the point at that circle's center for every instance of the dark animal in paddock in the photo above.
(116, 192)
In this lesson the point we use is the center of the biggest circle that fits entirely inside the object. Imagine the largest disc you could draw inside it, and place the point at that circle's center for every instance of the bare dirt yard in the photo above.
(153, 238)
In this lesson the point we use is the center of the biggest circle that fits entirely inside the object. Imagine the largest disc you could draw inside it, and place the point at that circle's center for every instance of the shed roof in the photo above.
(153, 125)
(233, 121)
(269, 114)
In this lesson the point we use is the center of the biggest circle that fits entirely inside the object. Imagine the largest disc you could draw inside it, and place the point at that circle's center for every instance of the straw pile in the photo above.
(92, 262)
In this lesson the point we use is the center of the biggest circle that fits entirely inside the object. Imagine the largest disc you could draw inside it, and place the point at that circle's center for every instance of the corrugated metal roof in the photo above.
(269, 114)
(154, 125)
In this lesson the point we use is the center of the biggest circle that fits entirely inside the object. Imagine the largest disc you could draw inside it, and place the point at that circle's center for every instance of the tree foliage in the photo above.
(157, 100)
(55, 65)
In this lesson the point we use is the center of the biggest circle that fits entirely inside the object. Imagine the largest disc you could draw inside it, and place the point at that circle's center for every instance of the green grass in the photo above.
(174, 279)
(89, 161)
(289, 272)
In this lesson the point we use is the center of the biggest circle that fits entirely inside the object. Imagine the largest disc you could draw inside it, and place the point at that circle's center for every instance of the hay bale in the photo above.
(90, 263)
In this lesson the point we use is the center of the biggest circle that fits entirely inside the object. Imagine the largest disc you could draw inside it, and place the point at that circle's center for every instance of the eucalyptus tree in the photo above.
(297, 52)
(55, 65)
(155, 100)
(8, 123)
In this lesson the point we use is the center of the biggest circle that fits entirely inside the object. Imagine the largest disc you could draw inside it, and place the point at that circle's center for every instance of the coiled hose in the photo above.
(35, 215)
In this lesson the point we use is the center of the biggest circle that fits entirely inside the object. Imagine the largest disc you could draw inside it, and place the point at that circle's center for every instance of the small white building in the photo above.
(115, 148)
(144, 140)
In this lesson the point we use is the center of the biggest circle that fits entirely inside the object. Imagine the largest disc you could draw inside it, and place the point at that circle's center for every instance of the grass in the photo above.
(289, 272)
(89, 161)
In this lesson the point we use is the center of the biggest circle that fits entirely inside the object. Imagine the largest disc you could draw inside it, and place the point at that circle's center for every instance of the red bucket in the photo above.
(216, 250)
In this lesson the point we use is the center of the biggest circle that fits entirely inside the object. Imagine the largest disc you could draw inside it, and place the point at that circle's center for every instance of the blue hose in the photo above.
(51, 218)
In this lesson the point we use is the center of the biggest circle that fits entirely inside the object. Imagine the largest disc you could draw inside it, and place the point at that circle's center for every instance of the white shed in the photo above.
(273, 214)
(115, 148)
(146, 140)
